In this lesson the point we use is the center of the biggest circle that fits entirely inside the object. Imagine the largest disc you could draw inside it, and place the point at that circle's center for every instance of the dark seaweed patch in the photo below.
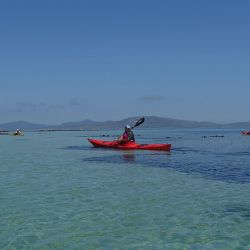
(216, 169)
(239, 210)
(76, 148)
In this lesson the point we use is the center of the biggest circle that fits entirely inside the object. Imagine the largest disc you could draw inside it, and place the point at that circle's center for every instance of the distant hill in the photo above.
(150, 122)
(24, 126)
(244, 125)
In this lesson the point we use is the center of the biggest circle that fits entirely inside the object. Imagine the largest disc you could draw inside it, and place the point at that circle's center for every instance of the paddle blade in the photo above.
(139, 122)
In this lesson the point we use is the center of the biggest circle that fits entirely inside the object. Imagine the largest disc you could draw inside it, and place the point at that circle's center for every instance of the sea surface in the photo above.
(57, 192)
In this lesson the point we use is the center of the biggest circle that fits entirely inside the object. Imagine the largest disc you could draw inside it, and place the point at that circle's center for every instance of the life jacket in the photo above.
(129, 135)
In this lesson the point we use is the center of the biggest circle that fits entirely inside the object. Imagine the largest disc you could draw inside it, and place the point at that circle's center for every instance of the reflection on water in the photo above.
(128, 156)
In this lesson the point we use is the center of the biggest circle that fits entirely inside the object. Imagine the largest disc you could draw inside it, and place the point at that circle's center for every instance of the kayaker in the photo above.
(128, 135)
(18, 132)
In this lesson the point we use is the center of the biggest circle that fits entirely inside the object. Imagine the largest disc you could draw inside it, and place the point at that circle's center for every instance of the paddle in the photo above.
(139, 122)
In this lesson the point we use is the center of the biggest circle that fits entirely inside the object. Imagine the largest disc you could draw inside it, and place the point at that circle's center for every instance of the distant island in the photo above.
(150, 122)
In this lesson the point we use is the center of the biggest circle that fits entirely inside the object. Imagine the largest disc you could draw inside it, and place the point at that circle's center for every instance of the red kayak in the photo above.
(129, 145)
(245, 132)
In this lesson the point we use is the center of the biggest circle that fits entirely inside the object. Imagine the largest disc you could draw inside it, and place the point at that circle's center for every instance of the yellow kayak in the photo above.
(16, 134)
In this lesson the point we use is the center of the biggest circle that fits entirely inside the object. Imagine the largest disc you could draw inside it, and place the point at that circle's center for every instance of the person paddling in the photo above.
(18, 132)
(127, 136)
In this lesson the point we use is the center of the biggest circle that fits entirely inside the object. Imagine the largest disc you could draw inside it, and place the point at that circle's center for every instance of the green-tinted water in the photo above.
(56, 192)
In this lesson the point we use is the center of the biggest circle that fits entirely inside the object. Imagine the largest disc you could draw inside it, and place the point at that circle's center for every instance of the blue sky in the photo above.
(74, 60)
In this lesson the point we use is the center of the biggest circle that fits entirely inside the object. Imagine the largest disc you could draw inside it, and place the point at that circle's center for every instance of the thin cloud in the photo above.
(41, 107)
(56, 107)
(76, 101)
(29, 107)
(152, 98)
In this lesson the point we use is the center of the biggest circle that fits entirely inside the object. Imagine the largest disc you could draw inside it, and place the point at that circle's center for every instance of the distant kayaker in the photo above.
(18, 132)
(128, 135)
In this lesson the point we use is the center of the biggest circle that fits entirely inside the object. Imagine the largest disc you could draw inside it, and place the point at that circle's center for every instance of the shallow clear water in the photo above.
(57, 192)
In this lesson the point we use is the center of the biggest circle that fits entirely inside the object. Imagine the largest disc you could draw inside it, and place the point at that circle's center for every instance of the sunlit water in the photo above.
(57, 192)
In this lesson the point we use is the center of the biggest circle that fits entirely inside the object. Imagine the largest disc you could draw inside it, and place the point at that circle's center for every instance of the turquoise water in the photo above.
(57, 192)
